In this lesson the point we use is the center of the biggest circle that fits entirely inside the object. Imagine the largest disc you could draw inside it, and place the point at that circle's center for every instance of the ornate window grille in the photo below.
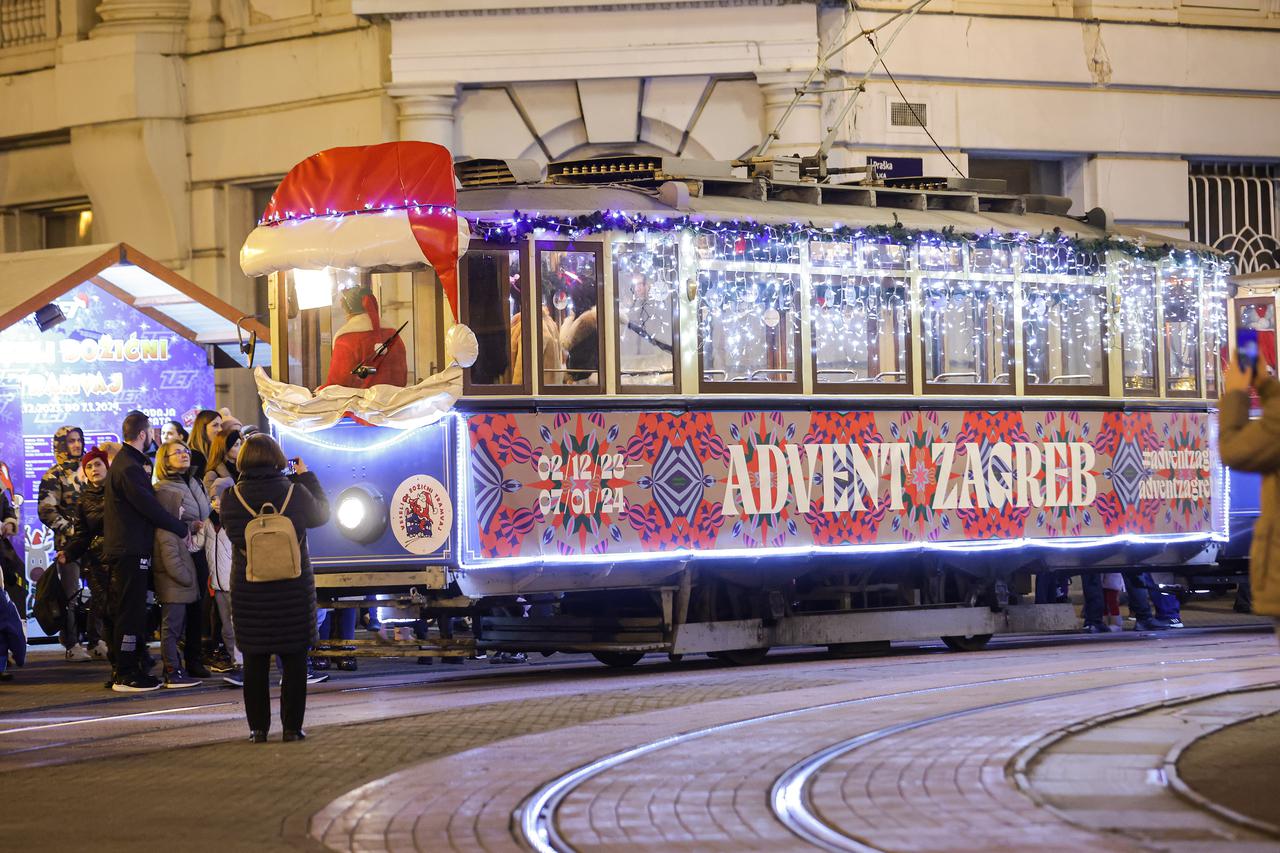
(1234, 208)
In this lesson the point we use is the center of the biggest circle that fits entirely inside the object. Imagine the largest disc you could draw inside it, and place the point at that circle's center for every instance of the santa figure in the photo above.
(363, 342)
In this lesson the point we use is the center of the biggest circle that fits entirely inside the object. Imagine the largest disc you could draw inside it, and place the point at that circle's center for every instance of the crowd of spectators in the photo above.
(157, 523)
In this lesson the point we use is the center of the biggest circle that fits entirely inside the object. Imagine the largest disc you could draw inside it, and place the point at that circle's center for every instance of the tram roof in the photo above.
(569, 200)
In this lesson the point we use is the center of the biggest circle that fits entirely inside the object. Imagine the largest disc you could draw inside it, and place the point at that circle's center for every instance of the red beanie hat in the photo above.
(96, 453)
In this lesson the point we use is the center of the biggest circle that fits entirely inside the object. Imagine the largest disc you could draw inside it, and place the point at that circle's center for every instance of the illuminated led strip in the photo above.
(968, 547)
(314, 441)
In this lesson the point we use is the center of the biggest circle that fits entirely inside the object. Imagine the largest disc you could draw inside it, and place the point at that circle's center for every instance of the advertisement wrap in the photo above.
(103, 360)
(626, 483)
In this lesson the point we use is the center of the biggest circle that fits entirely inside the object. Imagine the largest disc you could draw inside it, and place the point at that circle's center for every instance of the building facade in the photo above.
(165, 123)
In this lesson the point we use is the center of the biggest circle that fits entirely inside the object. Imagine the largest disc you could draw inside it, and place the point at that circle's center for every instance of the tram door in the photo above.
(1252, 308)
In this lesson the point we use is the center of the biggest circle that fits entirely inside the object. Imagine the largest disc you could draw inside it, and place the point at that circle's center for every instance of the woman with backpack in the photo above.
(273, 592)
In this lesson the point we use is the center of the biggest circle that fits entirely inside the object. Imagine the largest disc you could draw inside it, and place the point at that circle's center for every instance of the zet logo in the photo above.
(421, 514)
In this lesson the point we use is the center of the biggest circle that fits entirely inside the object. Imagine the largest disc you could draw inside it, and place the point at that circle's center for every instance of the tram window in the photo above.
(1062, 326)
(646, 278)
(1259, 313)
(1181, 332)
(328, 304)
(940, 258)
(569, 335)
(492, 296)
(991, 261)
(1213, 297)
(749, 327)
(967, 335)
(1138, 328)
(860, 330)
(884, 256)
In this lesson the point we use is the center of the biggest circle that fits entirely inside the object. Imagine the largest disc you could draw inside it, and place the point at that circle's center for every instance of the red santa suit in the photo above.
(355, 342)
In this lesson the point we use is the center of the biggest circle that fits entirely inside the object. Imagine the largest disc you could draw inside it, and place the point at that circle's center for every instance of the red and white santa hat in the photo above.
(374, 206)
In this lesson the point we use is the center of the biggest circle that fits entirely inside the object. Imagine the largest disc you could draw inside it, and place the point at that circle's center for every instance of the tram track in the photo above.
(535, 821)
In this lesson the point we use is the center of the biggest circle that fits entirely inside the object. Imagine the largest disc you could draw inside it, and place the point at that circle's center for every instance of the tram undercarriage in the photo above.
(850, 605)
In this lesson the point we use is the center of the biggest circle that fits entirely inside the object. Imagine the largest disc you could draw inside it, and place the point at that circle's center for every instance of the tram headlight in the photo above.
(361, 513)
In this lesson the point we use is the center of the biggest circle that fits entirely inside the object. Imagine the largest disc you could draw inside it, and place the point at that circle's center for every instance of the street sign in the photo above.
(897, 167)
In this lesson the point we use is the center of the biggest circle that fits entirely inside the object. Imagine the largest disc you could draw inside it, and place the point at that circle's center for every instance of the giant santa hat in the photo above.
(389, 206)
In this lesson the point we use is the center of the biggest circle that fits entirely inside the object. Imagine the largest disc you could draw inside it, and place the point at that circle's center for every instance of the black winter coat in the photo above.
(132, 512)
(86, 544)
(274, 617)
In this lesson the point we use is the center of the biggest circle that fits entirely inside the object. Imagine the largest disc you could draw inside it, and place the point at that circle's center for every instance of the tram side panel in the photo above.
(391, 498)
(586, 496)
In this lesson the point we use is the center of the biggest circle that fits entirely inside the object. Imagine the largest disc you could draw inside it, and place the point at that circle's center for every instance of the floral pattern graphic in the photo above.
(613, 483)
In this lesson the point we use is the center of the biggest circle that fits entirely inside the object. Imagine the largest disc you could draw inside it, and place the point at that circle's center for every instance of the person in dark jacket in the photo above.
(59, 493)
(85, 547)
(130, 518)
(273, 617)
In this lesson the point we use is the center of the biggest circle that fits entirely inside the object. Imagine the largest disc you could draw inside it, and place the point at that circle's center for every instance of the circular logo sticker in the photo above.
(421, 514)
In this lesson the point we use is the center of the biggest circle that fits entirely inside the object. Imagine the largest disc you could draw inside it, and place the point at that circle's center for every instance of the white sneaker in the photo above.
(100, 651)
(78, 653)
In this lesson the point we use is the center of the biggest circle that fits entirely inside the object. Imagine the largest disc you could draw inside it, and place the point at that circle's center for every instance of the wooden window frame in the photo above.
(1098, 389)
(1154, 339)
(595, 247)
(619, 384)
(750, 388)
(863, 388)
(472, 389)
(928, 388)
(1197, 392)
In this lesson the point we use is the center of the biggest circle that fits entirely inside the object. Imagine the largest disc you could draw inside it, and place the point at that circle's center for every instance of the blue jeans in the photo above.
(343, 619)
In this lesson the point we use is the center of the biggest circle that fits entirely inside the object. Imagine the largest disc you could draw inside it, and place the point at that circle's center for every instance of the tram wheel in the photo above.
(971, 643)
(618, 660)
(741, 657)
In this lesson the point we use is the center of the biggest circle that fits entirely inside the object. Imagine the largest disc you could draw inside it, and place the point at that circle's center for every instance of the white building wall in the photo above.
(166, 114)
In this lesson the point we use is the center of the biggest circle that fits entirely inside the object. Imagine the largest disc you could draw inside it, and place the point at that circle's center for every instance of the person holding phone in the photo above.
(1247, 444)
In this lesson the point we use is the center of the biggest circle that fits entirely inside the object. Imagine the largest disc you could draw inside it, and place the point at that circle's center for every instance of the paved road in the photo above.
(1058, 743)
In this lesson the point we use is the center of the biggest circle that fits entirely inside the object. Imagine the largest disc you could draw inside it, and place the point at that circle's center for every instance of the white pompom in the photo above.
(461, 346)
(464, 236)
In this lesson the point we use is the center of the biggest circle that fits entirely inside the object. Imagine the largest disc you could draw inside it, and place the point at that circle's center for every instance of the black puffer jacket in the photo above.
(85, 545)
(274, 617)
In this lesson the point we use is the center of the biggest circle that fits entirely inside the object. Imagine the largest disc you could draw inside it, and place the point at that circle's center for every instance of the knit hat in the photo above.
(98, 452)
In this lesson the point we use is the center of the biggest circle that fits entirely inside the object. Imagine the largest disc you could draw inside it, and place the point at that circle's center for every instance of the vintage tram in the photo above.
(655, 404)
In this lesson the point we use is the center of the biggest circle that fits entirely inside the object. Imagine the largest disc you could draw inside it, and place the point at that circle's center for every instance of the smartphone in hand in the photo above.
(1247, 349)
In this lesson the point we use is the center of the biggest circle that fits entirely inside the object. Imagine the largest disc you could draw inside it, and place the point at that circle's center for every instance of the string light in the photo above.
(275, 217)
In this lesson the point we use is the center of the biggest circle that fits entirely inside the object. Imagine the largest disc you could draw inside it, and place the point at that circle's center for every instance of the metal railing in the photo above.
(26, 21)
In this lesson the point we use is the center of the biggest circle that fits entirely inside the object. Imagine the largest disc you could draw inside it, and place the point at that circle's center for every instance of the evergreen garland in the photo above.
(520, 225)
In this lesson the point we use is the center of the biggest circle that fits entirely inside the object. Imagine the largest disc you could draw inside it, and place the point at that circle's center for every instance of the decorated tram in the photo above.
(642, 403)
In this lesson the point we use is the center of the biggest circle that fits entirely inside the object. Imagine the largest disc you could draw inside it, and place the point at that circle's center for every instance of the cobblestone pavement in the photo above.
(406, 757)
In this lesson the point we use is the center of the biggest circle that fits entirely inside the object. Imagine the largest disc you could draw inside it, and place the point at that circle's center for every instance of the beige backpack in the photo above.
(270, 542)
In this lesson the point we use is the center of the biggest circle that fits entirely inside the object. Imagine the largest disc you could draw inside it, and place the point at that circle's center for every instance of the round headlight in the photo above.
(361, 513)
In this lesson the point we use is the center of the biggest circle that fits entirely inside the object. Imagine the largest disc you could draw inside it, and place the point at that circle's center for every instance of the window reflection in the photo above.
(748, 326)
(1138, 322)
(860, 329)
(646, 277)
(492, 290)
(1181, 331)
(1062, 334)
(570, 291)
(966, 332)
